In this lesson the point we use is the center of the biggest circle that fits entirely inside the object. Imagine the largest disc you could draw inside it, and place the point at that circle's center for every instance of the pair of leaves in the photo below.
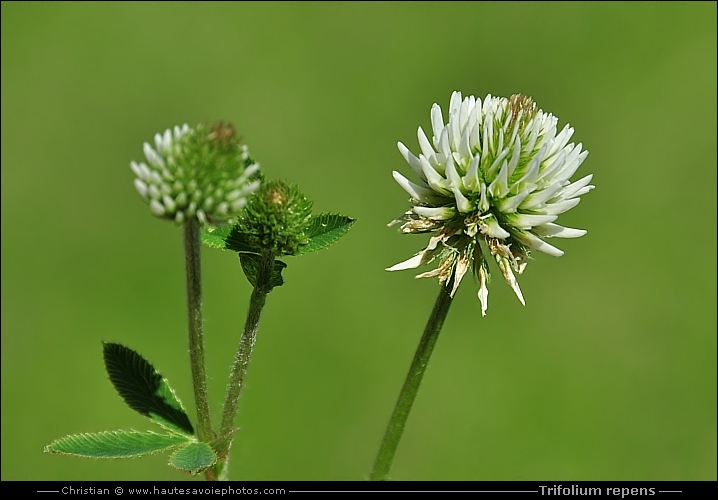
(322, 231)
(144, 390)
(189, 454)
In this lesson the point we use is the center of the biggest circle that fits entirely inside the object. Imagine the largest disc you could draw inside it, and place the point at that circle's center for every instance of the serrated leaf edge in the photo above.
(346, 227)
(166, 383)
(179, 401)
(210, 229)
(48, 449)
(350, 223)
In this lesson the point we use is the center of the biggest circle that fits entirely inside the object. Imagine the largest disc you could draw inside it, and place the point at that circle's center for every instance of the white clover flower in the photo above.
(497, 172)
(196, 172)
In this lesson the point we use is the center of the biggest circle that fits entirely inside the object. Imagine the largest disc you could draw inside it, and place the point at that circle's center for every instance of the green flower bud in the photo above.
(275, 218)
(201, 172)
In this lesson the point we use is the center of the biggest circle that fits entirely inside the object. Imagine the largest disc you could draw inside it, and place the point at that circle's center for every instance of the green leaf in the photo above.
(194, 457)
(250, 265)
(239, 242)
(215, 236)
(324, 230)
(115, 444)
(143, 389)
(227, 238)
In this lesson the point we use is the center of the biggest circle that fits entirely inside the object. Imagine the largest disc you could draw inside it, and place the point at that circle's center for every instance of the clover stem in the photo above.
(195, 327)
(244, 352)
(397, 422)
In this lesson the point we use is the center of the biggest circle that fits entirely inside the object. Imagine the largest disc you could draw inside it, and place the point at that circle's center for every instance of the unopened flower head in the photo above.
(275, 218)
(201, 172)
(497, 174)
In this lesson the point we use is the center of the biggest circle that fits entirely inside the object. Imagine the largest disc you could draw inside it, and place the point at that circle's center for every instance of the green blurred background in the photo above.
(609, 372)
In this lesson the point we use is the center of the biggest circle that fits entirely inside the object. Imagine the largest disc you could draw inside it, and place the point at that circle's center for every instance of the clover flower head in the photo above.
(201, 172)
(275, 218)
(496, 176)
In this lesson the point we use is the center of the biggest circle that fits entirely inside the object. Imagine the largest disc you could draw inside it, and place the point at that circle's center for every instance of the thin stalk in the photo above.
(241, 358)
(397, 422)
(196, 334)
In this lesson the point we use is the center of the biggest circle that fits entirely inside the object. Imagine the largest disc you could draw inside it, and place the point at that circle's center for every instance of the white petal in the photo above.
(485, 136)
(558, 207)
(248, 172)
(535, 243)
(464, 148)
(491, 227)
(573, 161)
(437, 121)
(515, 157)
(538, 198)
(426, 148)
(551, 166)
(443, 147)
(158, 142)
(153, 192)
(582, 191)
(152, 156)
(418, 193)
(532, 171)
(156, 208)
(483, 291)
(554, 230)
(141, 170)
(483, 199)
(435, 213)
(155, 178)
(412, 160)
(495, 165)
(499, 188)
(510, 204)
(527, 221)
(462, 203)
(471, 179)
(250, 188)
(169, 203)
(454, 129)
(412, 263)
(500, 145)
(573, 189)
(533, 132)
(455, 102)
(433, 178)
(141, 188)
(561, 140)
(474, 137)
(464, 111)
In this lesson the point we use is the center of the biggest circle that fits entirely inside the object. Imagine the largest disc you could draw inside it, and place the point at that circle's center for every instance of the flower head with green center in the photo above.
(276, 218)
(497, 172)
(201, 172)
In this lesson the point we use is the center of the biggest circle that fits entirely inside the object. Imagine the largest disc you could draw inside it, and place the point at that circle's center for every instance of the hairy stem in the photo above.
(397, 422)
(196, 334)
(244, 352)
